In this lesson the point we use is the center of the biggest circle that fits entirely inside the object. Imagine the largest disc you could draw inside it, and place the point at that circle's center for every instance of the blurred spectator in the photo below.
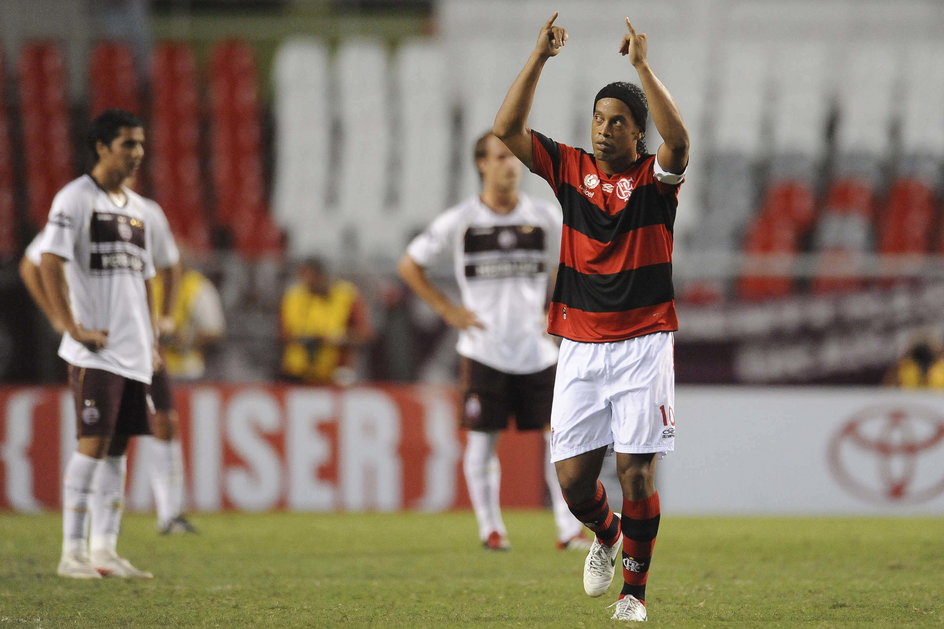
(921, 367)
(191, 329)
(324, 324)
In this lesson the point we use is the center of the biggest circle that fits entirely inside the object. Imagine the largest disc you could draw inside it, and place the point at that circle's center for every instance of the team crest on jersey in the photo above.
(591, 181)
(124, 229)
(90, 413)
(507, 238)
(624, 188)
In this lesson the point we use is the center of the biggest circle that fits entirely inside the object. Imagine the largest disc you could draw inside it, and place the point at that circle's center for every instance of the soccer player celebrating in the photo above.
(613, 303)
(96, 252)
(502, 243)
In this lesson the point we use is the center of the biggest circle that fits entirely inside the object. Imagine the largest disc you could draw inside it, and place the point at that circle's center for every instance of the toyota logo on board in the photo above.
(890, 454)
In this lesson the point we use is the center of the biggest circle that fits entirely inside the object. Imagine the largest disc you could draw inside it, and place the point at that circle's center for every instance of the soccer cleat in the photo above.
(577, 542)
(600, 565)
(109, 564)
(76, 567)
(496, 541)
(629, 608)
(177, 526)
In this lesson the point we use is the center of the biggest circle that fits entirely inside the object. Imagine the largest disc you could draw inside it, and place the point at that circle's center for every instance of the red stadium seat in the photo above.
(907, 218)
(113, 81)
(844, 236)
(8, 245)
(174, 143)
(236, 156)
(47, 147)
(785, 217)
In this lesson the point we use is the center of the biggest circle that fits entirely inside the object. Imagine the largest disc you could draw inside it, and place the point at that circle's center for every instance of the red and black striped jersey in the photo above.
(615, 275)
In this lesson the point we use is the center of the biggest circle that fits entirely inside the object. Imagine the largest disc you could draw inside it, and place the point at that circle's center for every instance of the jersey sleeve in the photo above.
(60, 234)
(34, 251)
(546, 154)
(664, 176)
(435, 239)
(166, 254)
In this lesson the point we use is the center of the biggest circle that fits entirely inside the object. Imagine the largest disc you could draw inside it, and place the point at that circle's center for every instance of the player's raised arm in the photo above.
(673, 153)
(511, 122)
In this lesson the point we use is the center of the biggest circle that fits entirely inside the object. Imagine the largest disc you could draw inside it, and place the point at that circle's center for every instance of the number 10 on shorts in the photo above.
(668, 415)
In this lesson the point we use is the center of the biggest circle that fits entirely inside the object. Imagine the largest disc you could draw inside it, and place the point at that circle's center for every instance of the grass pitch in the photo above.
(417, 570)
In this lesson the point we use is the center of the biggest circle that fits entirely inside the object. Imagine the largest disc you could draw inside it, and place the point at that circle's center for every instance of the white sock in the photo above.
(76, 490)
(567, 525)
(483, 480)
(167, 478)
(108, 503)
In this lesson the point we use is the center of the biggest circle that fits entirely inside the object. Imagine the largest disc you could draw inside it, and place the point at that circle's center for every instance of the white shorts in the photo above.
(619, 394)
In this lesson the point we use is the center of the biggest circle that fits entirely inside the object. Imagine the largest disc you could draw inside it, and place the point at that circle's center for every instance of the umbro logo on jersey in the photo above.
(607, 188)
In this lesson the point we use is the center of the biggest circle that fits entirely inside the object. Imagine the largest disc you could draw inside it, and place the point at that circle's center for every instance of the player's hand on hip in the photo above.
(635, 45)
(93, 340)
(461, 318)
(551, 38)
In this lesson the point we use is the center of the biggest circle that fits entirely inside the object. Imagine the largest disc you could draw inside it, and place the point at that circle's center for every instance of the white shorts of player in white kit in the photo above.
(619, 394)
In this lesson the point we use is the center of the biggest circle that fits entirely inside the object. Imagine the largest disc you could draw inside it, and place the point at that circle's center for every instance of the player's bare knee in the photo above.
(576, 486)
(637, 476)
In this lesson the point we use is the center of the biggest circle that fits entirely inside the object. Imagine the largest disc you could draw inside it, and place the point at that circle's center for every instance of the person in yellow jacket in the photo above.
(323, 322)
(191, 325)
(921, 367)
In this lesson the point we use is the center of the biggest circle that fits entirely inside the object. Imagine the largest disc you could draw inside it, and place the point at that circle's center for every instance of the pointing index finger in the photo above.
(629, 26)
(550, 21)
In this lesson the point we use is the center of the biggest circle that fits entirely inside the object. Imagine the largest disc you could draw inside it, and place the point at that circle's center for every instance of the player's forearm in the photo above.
(155, 327)
(29, 273)
(55, 288)
(416, 278)
(171, 278)
(512, 116)
(665, 113)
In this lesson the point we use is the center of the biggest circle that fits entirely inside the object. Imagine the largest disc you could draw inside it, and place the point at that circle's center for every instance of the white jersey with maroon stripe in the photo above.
(108, 253)
(501, 264)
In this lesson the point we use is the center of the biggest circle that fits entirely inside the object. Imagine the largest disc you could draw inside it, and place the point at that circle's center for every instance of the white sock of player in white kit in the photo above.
(167, 478)
(107, 503)
(76, 492)
(567, 525)
(483, 480)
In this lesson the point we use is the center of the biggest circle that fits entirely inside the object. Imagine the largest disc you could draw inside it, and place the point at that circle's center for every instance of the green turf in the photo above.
(415, 570)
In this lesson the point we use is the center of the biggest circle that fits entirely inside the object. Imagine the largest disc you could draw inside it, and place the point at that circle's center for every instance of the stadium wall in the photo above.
(741, 450)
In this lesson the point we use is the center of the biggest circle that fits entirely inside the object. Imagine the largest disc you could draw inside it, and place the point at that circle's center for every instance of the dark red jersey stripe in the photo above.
(618, 292)
(641, 247)
(596, 327)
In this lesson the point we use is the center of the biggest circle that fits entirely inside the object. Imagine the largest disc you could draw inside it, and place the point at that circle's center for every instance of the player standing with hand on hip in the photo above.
(613, 303)
(96, 258)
